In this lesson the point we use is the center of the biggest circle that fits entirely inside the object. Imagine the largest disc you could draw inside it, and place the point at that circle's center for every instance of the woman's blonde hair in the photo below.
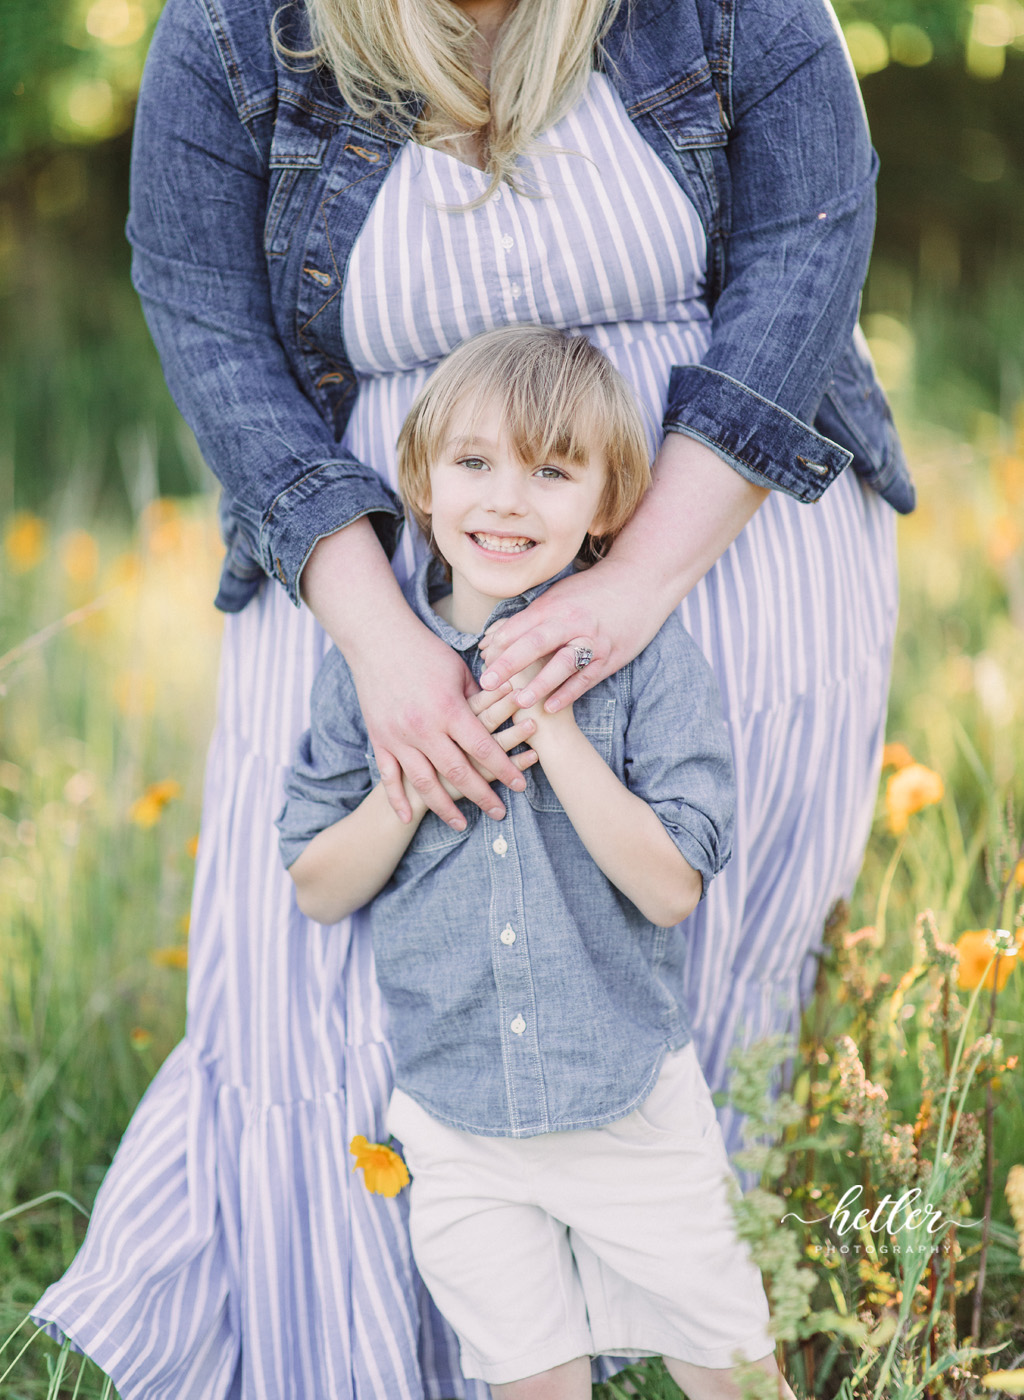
(411, 62)
(559, 399)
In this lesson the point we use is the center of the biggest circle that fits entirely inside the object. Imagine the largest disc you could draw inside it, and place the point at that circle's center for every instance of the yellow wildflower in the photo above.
(1018, 872)
(147, 809)
(79, 556)
(975, 949)
(384, 1172)
(908, 790)
(24, 541)
(896, 756)
(1009, 1382)
(140, 1038)
(161, 522)
(192, 846)
(176, 956)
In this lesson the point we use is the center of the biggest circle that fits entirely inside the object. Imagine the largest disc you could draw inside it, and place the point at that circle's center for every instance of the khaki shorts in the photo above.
(616, 1240)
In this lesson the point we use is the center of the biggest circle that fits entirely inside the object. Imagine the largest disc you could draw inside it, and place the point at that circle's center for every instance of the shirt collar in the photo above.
(429, 583)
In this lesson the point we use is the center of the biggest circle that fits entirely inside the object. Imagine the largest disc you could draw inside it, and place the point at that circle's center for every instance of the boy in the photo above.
(568, 1195)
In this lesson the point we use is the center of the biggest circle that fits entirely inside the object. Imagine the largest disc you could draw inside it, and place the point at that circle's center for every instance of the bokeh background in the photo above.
(108, 640)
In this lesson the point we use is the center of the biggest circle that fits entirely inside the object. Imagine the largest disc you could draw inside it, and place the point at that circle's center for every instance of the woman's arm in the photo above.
(198, 204)
(800, 182)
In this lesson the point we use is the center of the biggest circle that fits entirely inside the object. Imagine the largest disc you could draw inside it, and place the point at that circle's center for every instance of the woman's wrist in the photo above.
(348, 585)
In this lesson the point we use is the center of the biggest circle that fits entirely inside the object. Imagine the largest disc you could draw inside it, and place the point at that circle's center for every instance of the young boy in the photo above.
(568, 1193)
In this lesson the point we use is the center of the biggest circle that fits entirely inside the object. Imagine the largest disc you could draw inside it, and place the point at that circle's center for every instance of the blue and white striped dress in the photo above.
(231, 1253)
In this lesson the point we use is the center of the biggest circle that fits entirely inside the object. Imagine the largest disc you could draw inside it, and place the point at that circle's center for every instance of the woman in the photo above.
(702, 207)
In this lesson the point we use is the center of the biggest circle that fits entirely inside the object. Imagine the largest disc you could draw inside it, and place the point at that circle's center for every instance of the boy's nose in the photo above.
(508, 495)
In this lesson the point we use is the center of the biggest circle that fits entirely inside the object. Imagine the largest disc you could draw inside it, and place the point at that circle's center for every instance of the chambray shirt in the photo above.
(526, 994)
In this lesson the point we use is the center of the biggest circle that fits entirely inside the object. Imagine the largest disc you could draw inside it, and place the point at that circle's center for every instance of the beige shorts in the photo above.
(616, 1240)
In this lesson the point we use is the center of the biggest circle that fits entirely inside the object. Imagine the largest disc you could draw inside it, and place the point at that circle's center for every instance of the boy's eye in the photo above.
(551, 474)
(473, 463)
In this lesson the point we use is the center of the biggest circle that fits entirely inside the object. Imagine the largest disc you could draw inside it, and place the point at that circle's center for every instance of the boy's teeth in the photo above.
(502, 543)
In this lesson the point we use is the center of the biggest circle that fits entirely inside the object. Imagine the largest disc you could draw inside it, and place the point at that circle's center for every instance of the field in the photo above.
(107, 682)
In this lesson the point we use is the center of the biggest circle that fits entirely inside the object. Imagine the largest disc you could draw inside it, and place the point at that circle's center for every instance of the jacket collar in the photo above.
(429, 584)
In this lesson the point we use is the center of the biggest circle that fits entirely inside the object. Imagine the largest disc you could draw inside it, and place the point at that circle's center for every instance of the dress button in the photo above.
(499, 845)
(508, 242)
(508, 934)
(518, 1026)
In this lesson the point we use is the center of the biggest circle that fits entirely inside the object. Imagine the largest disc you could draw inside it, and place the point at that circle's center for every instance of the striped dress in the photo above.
(231, 1253)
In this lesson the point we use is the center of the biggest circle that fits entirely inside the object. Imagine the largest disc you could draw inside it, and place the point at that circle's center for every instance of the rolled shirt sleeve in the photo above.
(198, 202)
(331, 774)
(801, 206)
(677, 753)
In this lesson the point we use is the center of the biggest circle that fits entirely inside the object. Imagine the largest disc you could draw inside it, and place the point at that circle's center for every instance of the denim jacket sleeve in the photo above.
(677, 756)
(796, 180)
(198, 202)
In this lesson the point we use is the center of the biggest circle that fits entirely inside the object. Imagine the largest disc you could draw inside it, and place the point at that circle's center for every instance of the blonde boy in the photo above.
(568, 1193)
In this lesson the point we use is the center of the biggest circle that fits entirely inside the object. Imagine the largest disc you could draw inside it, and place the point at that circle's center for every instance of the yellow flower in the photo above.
(1010, 1382)
(908, 790)
(176, 956)
(24, 541)
(896, 756)
(975, 949)
(384, 1172)
(146, 810)
(79, 556)
(192, 846)
(1018, 873)
(140, 1038)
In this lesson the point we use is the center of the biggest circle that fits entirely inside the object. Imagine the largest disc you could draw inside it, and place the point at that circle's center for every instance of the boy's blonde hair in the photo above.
(559, 397)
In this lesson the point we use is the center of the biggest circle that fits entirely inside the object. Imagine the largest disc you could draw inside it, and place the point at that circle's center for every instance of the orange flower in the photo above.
(1018, 873)
(908, 790)
(24, 541)
(140, 1038)
(146, 810)
(896, 756)
(384, 1172)
(976, 949)
(176, 957)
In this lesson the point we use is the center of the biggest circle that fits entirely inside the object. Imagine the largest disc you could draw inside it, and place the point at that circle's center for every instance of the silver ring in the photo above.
(582, 656)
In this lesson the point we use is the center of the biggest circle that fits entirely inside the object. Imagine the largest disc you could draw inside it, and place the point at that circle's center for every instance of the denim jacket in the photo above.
(526, 994)
(251, 179)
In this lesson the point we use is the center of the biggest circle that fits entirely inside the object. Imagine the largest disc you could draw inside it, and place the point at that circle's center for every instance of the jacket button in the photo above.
(518, 1026)
(499, 846)
(508, 935)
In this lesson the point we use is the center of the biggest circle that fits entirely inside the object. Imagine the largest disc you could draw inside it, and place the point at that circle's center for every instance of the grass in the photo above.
(103, 724)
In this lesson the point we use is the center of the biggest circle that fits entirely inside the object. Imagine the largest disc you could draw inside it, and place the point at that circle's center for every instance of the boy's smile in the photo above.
(505, 525)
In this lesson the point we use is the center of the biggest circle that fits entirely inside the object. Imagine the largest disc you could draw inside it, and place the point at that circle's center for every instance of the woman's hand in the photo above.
(696, 507)
(413, 689)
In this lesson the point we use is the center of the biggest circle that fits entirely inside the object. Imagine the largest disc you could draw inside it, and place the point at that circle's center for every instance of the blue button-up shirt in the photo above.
(526, 993)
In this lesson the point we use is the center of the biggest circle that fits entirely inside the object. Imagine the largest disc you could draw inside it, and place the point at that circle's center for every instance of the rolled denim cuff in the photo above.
(760, 440)
(321, 502)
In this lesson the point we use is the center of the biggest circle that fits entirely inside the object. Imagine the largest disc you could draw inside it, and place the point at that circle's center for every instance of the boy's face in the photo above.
(505, 525)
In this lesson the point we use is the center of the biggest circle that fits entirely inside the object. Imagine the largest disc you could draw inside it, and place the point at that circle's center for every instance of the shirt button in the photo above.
(508, 242)
(499, 846)
(516, 291)
(508, 934)
(518, 1026)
